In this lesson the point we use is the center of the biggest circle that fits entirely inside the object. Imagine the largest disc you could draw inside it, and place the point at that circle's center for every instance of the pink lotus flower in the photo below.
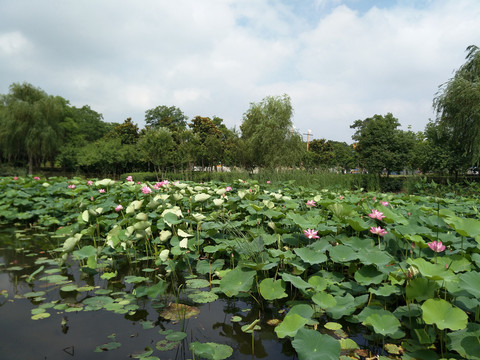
(146, 190)
(268, 181)
(36, 178)
(311, 203)
(228, 188)
(374, 198)
(436, 246)
(71, 186)
(138, 182)
(129, 178)
(101, 191)
(341, 197)
(118, 208)
(311, 234)
(385, 203)
(375, 214)
(89, 182)
(15, 178)
(378, 230)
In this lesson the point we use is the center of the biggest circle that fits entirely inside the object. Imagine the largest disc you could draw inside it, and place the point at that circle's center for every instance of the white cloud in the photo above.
(338, 60)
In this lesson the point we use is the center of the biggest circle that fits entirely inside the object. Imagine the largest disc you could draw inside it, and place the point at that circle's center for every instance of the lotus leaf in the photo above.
(421, 289)
(290, 325)
(203, 297)
(342, 253)
(236, 281)
(211, 350)
(296, 281)
(383, 324)
(444, 315)
(177, 312)
(312, 345)
(310, 256)
(324, 300)
(369, 275)
(272, 289)
(466, 341)
(470, 282)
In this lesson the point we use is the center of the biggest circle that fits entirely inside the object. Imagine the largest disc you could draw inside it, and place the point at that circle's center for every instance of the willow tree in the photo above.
(457, 104)
(267, 134)
(30, 124)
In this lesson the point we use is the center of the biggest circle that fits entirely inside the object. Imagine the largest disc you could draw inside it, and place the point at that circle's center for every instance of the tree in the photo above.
(210, 149)
(170, 117)
(267, 135)
(457, 104)
(156, 145)
(127, 132)
(381, 145)
(30, 124)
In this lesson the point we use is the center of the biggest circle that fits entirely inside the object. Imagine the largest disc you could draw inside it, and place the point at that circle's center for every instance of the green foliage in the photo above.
(268, 139)
(381, 145)
(157, 147)
(169, 117)
(458, 108)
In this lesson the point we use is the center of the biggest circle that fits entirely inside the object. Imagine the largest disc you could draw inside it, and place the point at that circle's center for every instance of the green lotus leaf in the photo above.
(470, 282)
(444, 315)
(132, 279)
(236, 281)
(383, 324)
(375, 257)
(153, 291)
(165, 345)
(318, 282)
(203, 297)
(342, 253)
(211, 351)
(176, 336)
(250, 328)
(466, 341)
(324, 300)
(290, 325)
(344, 306)
(311, 256)
(464, 226)
(358, 224)
(272, 289)
(386, 290)
(421, 289)
(97, 302)
(348, 344)
(296, 281)
(197, 283)
(108, 346)
(430, 270)
(332, 326)
(312, 345)
(85, 252)
(369, 275)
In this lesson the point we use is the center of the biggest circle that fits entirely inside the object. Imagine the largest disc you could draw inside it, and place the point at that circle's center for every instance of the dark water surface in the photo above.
(76, 335)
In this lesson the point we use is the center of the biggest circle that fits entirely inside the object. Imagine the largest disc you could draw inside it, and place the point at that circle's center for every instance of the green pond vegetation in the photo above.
(405, 269)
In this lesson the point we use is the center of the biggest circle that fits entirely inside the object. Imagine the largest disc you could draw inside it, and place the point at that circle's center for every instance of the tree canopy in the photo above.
(267, 133)
(457, 104)
(381, 145)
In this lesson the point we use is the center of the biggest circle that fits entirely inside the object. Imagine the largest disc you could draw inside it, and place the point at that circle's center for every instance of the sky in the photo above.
(338, 60)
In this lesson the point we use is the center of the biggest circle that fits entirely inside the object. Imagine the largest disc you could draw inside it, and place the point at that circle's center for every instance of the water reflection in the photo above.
(73, 332)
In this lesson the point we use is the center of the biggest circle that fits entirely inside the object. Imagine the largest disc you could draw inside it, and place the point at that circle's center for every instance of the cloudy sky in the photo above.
(338, 60)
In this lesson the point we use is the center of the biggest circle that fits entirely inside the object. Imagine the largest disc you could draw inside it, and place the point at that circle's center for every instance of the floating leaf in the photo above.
(211, 350)
(311, 256)
(108, 346)
(176, 336)
(177, 312)
(203, 297)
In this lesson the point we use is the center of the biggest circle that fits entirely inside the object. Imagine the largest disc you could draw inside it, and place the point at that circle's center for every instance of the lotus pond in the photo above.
(117, 269)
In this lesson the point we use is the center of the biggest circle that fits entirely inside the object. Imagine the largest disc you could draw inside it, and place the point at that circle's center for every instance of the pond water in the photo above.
(76, 330)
